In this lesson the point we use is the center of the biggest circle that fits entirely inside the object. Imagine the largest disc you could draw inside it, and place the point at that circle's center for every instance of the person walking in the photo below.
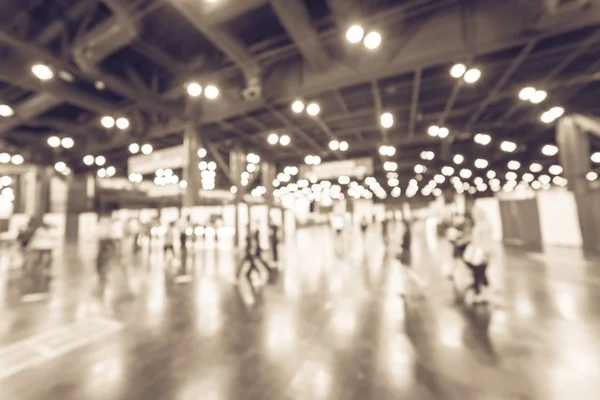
(478, 252)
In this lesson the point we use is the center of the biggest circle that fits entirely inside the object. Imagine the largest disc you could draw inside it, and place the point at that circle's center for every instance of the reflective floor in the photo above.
(332, 326)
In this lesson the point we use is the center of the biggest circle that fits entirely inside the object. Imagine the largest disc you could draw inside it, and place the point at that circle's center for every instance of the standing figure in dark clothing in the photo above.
(274, 236)
(364, 225)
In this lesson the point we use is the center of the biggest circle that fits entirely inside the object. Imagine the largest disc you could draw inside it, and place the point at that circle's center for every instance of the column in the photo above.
(267, 176)
(237, 159)
(191, 144)
(574, 152)
(78, 202)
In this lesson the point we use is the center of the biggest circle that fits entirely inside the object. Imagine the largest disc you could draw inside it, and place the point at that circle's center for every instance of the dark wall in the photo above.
(521, 223)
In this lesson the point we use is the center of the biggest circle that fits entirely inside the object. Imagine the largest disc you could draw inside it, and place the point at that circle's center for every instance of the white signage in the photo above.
(358, 167)
(172, 157)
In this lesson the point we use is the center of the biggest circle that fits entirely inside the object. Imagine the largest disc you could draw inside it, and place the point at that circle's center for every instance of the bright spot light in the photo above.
(433, 130)
(420, 169)
(555, 169)
(595, 157)
(483, 139)
(465, 173)
(102, 173)
(527, 177)
(67, 143)
(147, 149)
(536, 168)
(458, 70)
(17, 159)
(527, 93)
(549, 150)
(284, 140)
(387, 120)
(443, 132)
(88, 160)
(334, 145)
(194, 89)
(100, 161)
(458, 159)
(107, 122)
(6, 111)
(514, 165)
(538, 96)
(372, 40)
(508, 146)
(122, 123)
(134, 148)
(111, 171)
(53, 141)
(591, 176)
(313, 109)
(42, 72)
(355, 34)
(343, 146)
(472, 75)
(491, 174)
(273, 138)
(481, 163)
(211, 92)
(448, 171)
(298, 106)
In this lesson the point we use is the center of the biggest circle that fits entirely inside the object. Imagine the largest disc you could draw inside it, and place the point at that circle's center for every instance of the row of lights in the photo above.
(194, 89)
(312, 109)
(107, 172)
(335, 145)
(109, 122)
(15, 159)
(387, 151)
(438, 131)
(469, 75)
(274, 138)
(146, 148)
(312, 160)
(165, 177)
(66, 142)
(356, 34)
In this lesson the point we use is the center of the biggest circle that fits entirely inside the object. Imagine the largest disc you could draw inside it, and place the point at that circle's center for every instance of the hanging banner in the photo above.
(357, 167)
(172, 157)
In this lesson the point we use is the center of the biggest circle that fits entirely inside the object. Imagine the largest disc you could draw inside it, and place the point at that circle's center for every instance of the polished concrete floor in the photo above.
(332, 326)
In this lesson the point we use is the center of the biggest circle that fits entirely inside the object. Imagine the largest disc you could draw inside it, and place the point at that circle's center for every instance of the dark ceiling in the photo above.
(145, 51)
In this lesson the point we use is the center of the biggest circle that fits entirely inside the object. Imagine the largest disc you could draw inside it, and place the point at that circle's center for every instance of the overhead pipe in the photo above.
(105, 39)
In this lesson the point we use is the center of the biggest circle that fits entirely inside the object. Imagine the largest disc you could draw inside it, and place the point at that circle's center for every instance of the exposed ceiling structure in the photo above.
(134, 58)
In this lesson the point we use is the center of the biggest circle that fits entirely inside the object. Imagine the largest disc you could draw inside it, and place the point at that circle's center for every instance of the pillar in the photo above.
(78, 202)
(191, 144)
(237, 159)
(574, 152)
(268, 173)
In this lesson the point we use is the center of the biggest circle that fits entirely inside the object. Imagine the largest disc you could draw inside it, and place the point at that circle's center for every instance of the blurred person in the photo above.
(478, 251)
(405, 258)
(105, 244)
(135, 230)
(364, 225)
(169, 240)
(274, 236)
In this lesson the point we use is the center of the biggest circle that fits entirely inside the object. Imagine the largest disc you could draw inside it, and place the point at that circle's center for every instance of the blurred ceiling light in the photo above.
(67, 142)
(42, 72)
(386, 120)
(100, 161)
(528, 177)
(202, 152)
(549, 150)
(60, 166)
(472, 75)
(284, 140)
(458, 159)
(448, 171)
(538, 96)
(439, 179)
(108, 122)
(491, 174)
(427, 155)
(298, 106)
(122, 123)
(134, 148)
(514, 165)
(545, 179)
(88, 160)
(334, 145)
(483, 139)
(211, 92)
(511, 176)
(465, 173)
(101, 173)
(527, 93)
(555, 169)
(194, 89)
(591, 176)
(433, 130)
(343, 146)
(212, 166)
(481, 163)
(17, 159)
(536, 168)
(273, 138)
(508, 146)
(54, 141)
(552, 114)
(147, 149)
(6, 111)
(420, 169)
(373, 40)
(355, 34)
(595, 157)
(4, 158)
(111, 171)
(313, 109)
(458, 70)
(443, 132)
(99, 85)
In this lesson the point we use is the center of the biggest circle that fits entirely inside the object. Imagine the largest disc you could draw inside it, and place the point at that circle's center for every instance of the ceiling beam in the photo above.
(295, 18)
(515, 64)
(414, 103)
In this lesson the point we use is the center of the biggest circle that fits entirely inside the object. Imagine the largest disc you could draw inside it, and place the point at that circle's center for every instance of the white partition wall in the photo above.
(87, 226)
(491, 208)
(559, 218)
